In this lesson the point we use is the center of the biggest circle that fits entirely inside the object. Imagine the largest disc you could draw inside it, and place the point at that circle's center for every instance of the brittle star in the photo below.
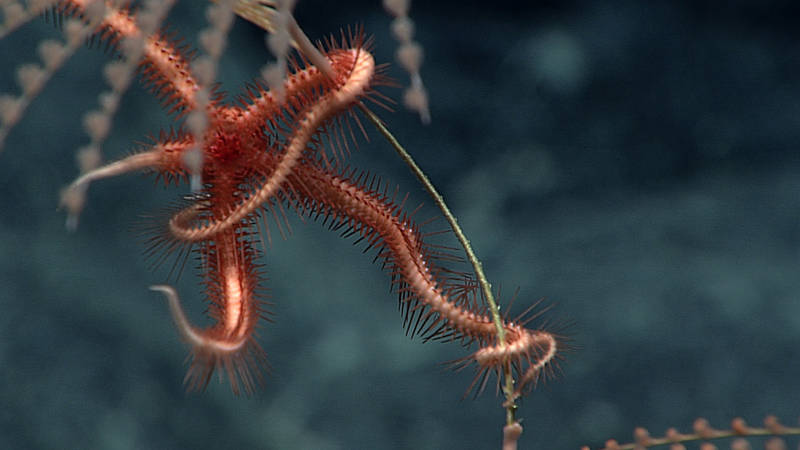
(273, 151)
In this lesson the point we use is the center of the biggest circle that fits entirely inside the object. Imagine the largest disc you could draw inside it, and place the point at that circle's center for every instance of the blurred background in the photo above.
(632, 163)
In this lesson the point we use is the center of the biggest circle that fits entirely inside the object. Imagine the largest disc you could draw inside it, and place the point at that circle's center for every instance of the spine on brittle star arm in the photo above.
(356, 68)
(529, 351)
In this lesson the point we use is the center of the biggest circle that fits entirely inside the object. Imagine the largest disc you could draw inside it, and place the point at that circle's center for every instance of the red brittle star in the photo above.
(273, 152)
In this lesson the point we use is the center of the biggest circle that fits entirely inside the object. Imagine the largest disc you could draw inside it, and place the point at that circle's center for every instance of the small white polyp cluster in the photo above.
(32, 77)
(212, 41)
(278, 43)
(410, 56)
(14, 13)
(118, 74)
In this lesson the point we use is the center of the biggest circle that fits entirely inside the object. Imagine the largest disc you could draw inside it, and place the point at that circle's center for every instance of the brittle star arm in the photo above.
(165, 157)
(165, 66)
(157, 158)
(528, 351)
(230, 342)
